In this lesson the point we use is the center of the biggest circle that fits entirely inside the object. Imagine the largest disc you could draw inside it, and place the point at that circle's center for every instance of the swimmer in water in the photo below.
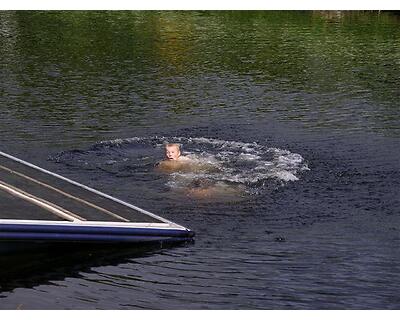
(174, 160)
(199, 188)
(173, 152)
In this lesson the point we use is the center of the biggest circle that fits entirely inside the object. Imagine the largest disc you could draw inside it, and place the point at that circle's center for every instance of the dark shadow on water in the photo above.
(40, 265)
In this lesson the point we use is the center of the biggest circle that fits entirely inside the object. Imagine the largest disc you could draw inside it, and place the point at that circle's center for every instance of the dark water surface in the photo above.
(298, 112)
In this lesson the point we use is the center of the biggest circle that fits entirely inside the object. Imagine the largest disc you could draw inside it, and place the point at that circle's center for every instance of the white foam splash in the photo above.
(224, 161)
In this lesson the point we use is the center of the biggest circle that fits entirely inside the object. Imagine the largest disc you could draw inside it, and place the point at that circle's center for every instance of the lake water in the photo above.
(297, 111)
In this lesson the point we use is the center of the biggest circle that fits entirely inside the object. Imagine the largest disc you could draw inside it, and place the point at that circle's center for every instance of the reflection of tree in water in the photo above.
(95, 70)
(173, 45)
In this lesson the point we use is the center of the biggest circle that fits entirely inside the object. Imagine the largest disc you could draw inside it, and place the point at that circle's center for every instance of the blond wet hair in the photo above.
(169, 145)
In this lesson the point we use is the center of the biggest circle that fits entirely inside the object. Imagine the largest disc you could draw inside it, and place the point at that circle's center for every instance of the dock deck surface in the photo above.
(22, 187)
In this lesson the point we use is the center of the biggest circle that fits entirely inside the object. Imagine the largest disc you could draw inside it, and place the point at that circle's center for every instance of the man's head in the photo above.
(172, 151)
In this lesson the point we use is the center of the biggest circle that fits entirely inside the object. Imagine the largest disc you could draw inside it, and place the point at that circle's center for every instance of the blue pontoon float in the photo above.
(40, 207)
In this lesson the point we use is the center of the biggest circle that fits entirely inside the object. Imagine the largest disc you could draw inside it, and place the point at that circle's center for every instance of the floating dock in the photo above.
(39, 206)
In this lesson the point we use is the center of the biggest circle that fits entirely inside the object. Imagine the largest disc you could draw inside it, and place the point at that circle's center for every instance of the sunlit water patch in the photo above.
(216, 168)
